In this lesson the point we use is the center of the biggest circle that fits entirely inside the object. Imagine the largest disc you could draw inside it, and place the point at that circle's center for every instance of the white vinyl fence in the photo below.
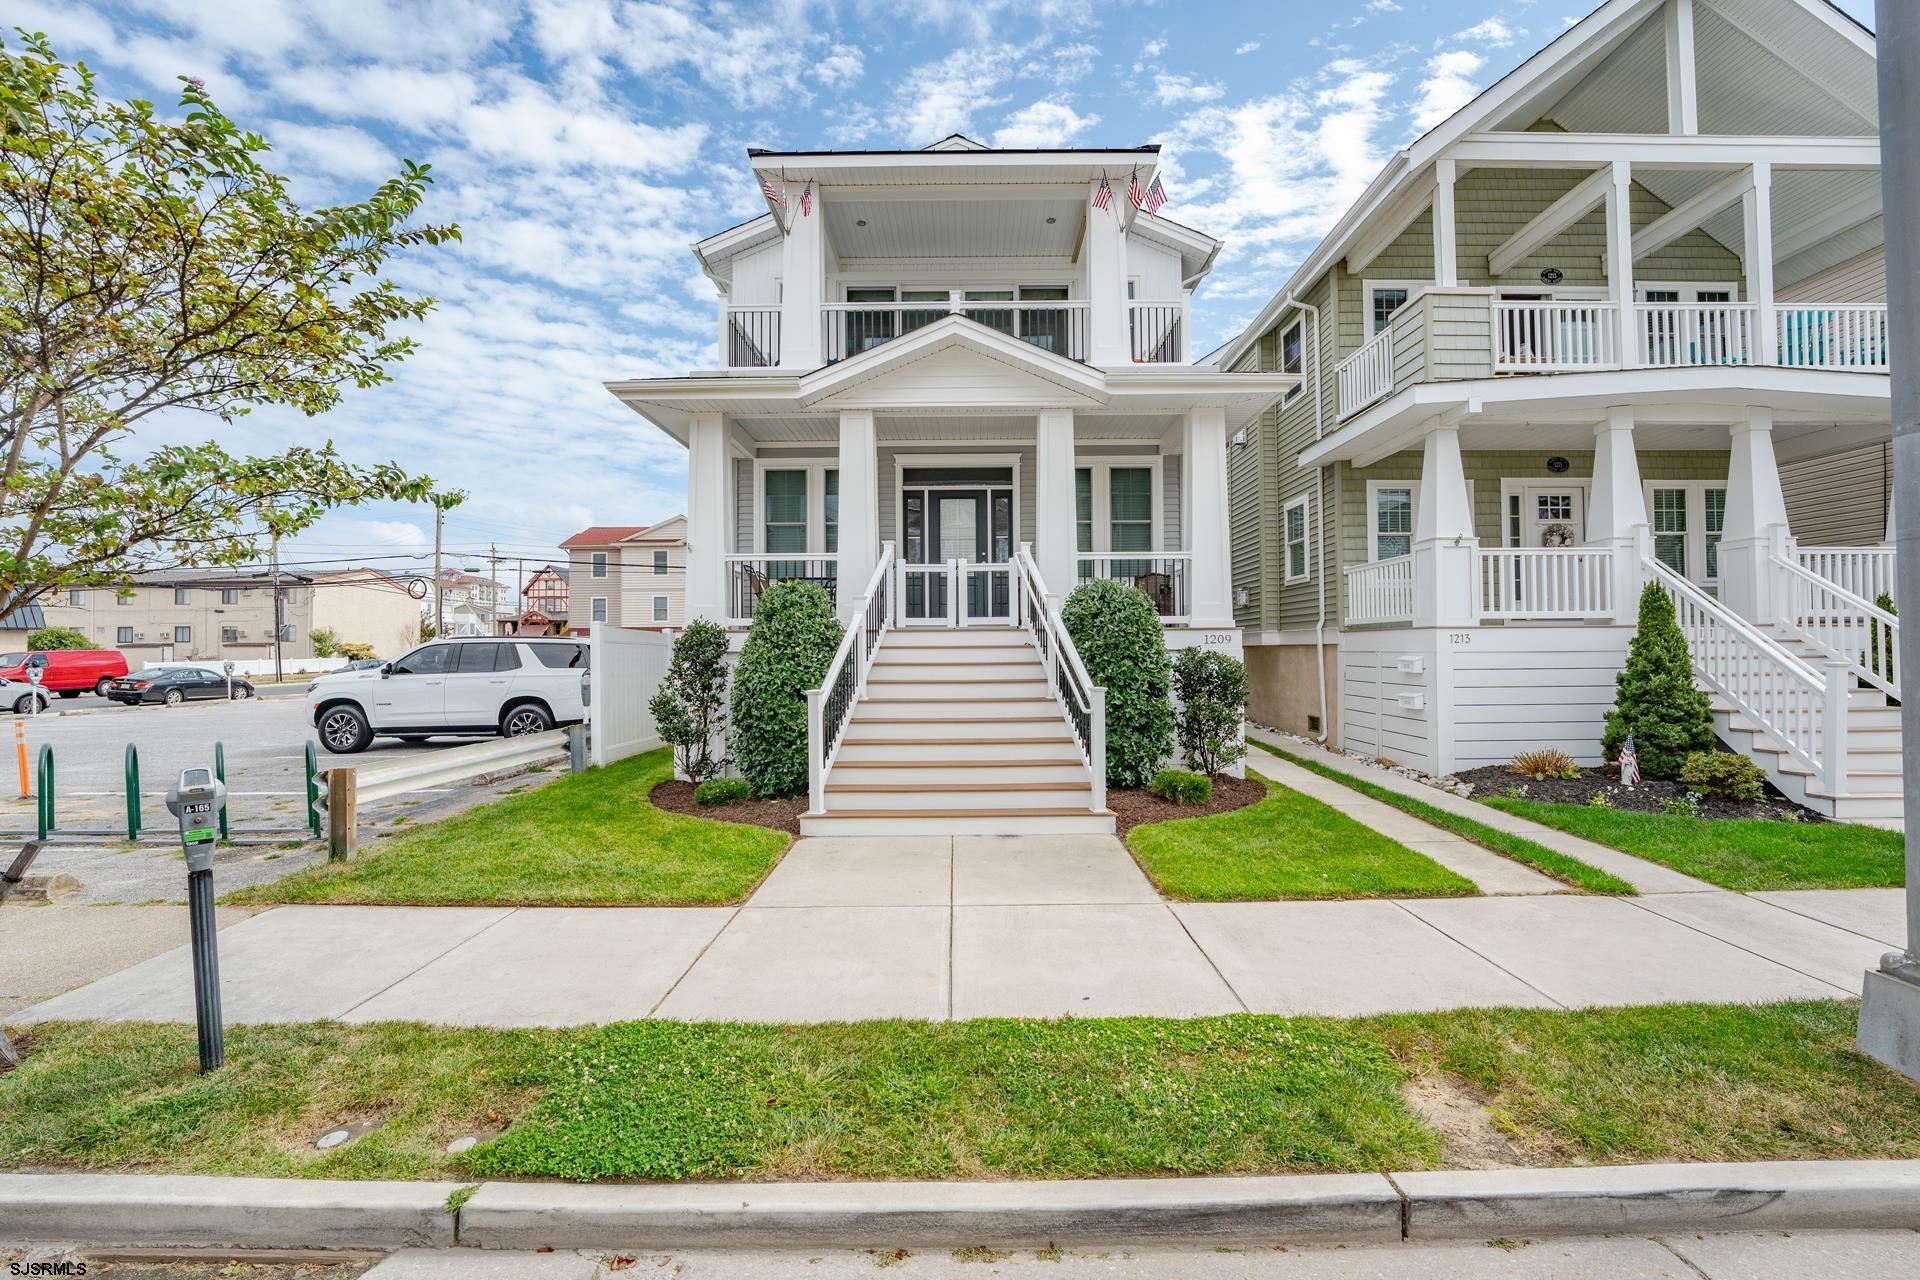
(627, 667)
(257, 666)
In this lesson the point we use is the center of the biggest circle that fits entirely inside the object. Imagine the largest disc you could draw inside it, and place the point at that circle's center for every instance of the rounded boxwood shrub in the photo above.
(1723, 775)
(792, 640)
(1117, 631)
(1179, 786)
(722, 791)
(1212, 690)
(690, 706)
(1655, 698)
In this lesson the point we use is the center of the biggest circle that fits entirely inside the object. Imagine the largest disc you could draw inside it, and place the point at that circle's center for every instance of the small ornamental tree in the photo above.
(787, 652)
(1212, 691)
(690, 707)
(326, 642)
(1656, 700)
(59, 638)
(1117, 631)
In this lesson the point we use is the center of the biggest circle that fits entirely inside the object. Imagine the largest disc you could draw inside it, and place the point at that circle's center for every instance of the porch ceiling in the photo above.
(958, 428)
(946, 228)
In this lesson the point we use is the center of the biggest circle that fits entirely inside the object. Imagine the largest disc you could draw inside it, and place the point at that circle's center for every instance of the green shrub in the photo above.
(722, 791)
(788, 648)
(1212, 692)
(1881, 664)
(59, 638)
(1117, 631)
(1545, 762)
(1655, 698)
(325, 640)
(690, 706)
(1723, 774)
(1177, 786)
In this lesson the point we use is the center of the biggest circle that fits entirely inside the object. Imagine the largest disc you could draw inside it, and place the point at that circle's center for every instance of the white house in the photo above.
(949, 385)
(1613, 321)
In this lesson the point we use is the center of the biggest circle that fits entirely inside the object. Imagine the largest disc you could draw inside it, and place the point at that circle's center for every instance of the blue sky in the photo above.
(583, 144)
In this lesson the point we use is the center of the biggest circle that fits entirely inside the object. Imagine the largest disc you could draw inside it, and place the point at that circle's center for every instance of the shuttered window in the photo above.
(1716, 522)
(1392, 523)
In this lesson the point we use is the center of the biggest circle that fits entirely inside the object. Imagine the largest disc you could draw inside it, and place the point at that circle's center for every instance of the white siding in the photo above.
(756, 277)
(1155, 271)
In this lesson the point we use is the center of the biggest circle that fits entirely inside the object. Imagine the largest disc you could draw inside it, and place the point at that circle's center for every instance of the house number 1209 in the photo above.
(1215, 638)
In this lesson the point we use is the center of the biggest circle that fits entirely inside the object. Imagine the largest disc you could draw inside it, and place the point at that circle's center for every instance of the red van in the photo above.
(67, 672)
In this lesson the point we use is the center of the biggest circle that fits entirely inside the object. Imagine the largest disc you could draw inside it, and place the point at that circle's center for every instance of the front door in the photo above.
(1553, 515)
(958, 545)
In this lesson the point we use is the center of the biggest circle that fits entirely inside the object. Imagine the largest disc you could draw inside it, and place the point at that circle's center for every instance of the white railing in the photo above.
(1380, 591)
(1367, 374)
(751, 339)
(831, 702)
(1546, 337)
(1868, 572)
(1675, 335)
(1519, 583)
(1832, 336)
(748, 578)
(1084, 702)
(1157, 332)
(852, 327)
(1163, 575)
(1802, 710)
(1840, 624)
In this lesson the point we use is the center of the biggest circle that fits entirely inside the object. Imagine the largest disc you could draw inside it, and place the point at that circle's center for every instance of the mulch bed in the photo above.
(1136, 806)
(1650, 796)
(781, 815)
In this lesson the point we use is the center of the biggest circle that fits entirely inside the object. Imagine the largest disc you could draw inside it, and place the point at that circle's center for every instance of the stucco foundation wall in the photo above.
(1280, 687)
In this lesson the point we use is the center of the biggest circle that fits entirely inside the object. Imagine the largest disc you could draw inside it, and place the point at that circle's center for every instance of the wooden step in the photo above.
(936, 787)
(953, 742)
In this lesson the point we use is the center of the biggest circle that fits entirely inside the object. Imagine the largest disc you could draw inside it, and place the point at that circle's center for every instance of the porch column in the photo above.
(803, 281)
(1757, 206)
(1053, 500)
(1203, 509)
(1756, 515)
(1446, 260)
(1105, 255)
(709, 513)
(1617, 506)
(859, 505)
(1620, 263)
(1445, 550)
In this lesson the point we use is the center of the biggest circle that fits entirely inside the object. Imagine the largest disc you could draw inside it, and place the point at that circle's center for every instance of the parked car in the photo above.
(463, 686)
(171, 686)
(18, 697)
(67, 672)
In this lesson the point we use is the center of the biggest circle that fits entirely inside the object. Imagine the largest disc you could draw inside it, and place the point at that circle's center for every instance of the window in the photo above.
(229, 595)
(76, 598)
(785, 512)
(485, 658)
(183, 595)
(229, 635)
(1385, 299)
(830, 510)
(598, 610)
(1295, 516)
(1554, 508)
(1670, 529)
(561, 655)
(599, 564)
(1392, 533)
(183, 635)
(1130, 508)
(1293, 355)
(1083, 508)
(124, 636)
(123, 597)
(427, 660)
(659, 562)
(659, 608)
(1716, 503)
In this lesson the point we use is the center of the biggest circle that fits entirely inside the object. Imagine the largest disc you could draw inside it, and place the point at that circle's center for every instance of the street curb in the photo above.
(281, 1213)
(265, 1213)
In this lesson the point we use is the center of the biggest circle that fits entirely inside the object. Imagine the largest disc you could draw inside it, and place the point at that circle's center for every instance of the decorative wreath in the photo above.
(1556, 535)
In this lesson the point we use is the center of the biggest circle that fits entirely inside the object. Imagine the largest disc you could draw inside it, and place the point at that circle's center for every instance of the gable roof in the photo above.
(603, 535)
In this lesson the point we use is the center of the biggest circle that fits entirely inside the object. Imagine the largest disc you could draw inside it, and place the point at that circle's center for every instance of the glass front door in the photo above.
(957, 545)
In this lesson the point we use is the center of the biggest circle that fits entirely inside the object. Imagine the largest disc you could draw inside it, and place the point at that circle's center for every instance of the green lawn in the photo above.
(587, 839)
(1735, 854)
(1559, 866)
(993, 1098)
(1286, 846)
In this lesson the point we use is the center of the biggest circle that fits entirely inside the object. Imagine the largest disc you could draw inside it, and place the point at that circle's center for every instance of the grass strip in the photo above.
(1546, 861)
(1735, 853)
(995, 1098)
(1285, 846)
(589, 839)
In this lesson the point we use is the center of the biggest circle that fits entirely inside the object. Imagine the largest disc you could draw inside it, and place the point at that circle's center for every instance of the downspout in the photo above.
(1319, 549)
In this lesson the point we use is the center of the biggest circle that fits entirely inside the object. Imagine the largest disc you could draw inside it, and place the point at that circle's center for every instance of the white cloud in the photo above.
(1382, 6)
(1043, 124)
(1070, 62)
(1153, 49)
(1248, 47)
(935, 99)
(1448, 86)
(1173, 90)
(1493, 31)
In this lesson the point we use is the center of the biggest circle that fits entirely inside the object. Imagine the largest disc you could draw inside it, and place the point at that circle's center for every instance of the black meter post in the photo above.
(196, 800)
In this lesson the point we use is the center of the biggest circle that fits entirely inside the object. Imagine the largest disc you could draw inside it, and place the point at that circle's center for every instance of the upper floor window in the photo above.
(1293, 354)
(599, 564)
(229, 595)
(76, 598)
(1296, 539)
(183, 635)
(183, 595)
(1382, 302)
(659, 562)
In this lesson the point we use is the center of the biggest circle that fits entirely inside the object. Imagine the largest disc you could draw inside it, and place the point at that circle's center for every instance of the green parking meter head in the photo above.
(196, 800)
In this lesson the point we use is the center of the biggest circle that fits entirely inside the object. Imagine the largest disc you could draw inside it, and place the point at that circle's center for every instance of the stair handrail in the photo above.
(830, 703)
(1084, 702)
(1800, 709)
(1864, 637)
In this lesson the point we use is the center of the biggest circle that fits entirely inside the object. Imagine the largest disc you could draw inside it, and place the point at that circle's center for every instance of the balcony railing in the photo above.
(1380, 591)
(1519, 583)
(1367, 374)
(753, 337)
(1162, 575)
(1677, 336)
(748, 578)
(852, 327)
(1551, 337)
(1833, 337)
(1156, 332)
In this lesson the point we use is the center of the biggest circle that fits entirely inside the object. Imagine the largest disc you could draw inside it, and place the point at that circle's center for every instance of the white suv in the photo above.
(511, 686)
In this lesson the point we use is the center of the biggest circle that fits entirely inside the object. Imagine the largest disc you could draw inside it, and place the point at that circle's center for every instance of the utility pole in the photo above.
(1890, 1000)
(439, 597)
(493, 576)
(279, 613)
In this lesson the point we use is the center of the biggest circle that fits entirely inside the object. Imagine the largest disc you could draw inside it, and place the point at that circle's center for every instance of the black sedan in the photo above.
(175, 685)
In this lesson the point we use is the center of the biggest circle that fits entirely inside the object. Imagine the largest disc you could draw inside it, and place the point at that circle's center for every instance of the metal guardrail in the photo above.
(454, 764)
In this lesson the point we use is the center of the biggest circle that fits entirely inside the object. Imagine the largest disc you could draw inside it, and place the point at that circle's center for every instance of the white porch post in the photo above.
(803, 282)
(1203, 509)
(709, 514)
(1620, 263)
(1617, 507)
(1053, 499)
(1683, 99)
(1446, 259)
(859, 505)
(1105, 255)
(1756, 508)
(1757, 205)
(1445, 550)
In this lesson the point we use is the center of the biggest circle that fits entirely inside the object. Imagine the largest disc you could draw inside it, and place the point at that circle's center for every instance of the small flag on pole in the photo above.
(1629, 764)
(775, 195)
(1134, 196)
(1103, 198)
(806, 200)
(1156, 196)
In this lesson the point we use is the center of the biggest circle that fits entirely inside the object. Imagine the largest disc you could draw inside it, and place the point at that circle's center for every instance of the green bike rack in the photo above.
(43, 786)
(220, 772)
(313, 790)
(133, 793)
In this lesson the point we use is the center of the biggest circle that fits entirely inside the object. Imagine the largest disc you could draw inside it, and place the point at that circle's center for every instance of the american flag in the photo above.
(1103, 198)
(1133, 190)
(1156, 196)
(806, 200)
(777, 195)
(1629, 764)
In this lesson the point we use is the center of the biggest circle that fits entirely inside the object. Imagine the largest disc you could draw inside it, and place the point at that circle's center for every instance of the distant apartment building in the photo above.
(545, 602)
(470, 605)
(627, 576)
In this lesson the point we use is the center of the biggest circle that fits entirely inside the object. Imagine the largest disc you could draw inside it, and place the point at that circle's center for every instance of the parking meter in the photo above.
(196, 800)
(35, 674)
(227, 667)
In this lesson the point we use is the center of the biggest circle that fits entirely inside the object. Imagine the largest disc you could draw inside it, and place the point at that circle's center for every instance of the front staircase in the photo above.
(958, 732)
